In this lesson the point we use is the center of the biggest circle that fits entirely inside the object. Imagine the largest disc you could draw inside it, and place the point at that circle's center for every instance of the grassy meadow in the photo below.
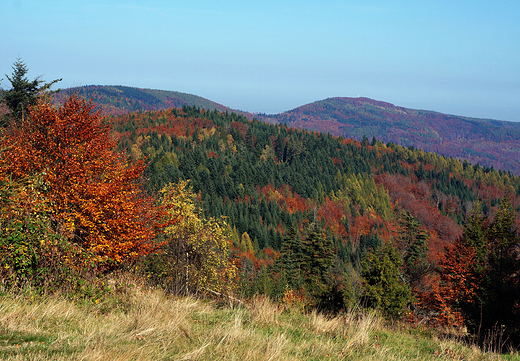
(134, 322)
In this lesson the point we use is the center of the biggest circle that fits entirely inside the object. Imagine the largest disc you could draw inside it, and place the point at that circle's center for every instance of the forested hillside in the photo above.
(250, 170)
(123, 99)
(488, 142)
(303, 207)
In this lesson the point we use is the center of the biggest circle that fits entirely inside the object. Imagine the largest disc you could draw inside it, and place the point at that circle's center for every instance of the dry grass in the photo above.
(263, 311)
(136, 323)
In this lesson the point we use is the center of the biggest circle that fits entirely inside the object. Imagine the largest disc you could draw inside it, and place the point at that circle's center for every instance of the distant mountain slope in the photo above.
(488, 142)
(119, 100)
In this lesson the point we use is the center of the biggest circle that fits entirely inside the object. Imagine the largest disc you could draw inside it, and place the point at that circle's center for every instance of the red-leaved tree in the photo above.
(458, 284)
(93, 192)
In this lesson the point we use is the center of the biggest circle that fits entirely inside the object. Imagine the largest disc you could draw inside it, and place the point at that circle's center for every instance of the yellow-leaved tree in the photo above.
(196, 255)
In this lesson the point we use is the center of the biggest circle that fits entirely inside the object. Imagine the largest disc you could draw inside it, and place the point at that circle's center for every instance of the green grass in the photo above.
(137, 323)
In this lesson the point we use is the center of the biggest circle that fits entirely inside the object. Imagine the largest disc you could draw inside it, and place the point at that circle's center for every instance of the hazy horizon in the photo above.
(457, 58)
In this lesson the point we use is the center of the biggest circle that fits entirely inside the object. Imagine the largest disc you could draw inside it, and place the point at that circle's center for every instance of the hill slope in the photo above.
(136, 323)
(265, 178)
(118, 100)
(488, 142)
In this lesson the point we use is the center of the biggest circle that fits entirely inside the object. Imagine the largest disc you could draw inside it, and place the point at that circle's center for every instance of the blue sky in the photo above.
(457, 57)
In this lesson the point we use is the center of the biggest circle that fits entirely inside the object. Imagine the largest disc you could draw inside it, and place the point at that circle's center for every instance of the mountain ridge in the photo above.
(489, 142)
(118, 99)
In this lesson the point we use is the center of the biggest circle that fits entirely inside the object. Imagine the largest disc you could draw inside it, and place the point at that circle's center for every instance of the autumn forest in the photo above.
(201, 200)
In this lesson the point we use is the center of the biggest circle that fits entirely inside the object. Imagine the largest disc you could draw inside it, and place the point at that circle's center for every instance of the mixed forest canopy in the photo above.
(210, 202)
(248, 170)
(490, 143)
(286, 191)
(118, 100)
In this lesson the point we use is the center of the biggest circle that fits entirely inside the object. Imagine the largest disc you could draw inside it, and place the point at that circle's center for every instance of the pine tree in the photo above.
(23, 92)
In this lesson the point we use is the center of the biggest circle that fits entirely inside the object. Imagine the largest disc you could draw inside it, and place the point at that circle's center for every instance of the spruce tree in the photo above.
(318, 258)
(291, 258)
(412, 243)
(383, 284)
(23, 92)
(501, 288)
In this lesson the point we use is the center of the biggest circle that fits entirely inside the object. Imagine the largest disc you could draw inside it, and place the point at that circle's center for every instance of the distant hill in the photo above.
(119, 100)
(490, 143)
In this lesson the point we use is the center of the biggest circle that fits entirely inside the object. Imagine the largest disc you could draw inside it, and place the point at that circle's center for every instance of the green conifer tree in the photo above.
(318, 258)
(384, 287)
(23, 92)
(291, 259)
(501, 288)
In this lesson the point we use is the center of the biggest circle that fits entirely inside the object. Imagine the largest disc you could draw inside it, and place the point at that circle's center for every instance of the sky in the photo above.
(457, 57)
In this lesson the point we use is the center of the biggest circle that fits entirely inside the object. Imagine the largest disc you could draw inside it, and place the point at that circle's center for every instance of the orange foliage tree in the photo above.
(93, 192)
(457, 286)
